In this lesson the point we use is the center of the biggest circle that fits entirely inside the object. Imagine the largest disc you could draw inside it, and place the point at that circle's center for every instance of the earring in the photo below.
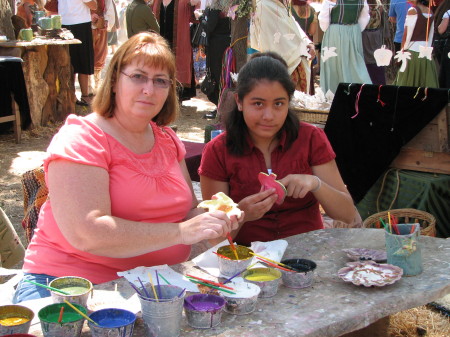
(240, 107)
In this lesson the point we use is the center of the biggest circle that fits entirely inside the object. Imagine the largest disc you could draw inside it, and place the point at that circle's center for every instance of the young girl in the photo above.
(264, 135)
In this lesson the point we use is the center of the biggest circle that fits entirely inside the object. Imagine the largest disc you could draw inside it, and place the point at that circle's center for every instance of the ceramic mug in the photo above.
(56, 21)
(45, 23)
(26, 34)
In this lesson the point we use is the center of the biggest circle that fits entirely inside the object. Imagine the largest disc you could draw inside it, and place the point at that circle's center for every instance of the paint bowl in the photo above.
(112, 322)
(71, 324)
(163, 317)
(244, 301)
(268, 279)
(229, 266)
(303, 276)
(15, 319)
(79, 289)
(203, 311)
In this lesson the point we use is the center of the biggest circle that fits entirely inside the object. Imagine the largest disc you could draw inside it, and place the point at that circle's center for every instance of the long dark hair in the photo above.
(263, 67)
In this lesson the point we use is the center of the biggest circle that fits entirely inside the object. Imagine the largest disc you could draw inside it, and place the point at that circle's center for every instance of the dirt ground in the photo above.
(15, 159)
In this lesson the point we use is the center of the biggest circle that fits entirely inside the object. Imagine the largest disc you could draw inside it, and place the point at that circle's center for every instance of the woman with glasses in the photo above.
(120, 195)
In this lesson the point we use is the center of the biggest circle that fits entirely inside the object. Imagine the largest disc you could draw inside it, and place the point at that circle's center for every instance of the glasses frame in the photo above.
(149, 79)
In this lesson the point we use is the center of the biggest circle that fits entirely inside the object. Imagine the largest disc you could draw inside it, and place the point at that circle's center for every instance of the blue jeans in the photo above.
(27, 291)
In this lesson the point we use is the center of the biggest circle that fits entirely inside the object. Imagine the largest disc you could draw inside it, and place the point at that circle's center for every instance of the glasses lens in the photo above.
(161, 82)
(139, 78)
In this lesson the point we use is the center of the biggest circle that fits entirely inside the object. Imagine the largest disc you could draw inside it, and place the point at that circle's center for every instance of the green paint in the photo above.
(74, 290)
(67, 317)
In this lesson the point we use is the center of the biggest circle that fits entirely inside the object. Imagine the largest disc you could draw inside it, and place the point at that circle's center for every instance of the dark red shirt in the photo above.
(293, 216)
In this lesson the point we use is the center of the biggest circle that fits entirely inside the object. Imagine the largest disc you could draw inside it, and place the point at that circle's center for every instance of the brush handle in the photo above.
(48, 287)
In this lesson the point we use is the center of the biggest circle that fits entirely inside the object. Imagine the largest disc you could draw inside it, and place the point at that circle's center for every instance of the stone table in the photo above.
(49, 78)
(330, 307)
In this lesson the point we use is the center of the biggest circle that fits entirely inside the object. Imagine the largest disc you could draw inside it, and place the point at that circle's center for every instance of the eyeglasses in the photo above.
(158, 82)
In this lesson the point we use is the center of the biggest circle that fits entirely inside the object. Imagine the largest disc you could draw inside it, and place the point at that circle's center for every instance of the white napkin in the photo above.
(168, 273)
(273, 250)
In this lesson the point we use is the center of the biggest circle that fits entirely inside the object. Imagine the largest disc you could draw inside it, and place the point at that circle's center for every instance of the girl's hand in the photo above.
(297, 185)
(256, 205)
(206, 226)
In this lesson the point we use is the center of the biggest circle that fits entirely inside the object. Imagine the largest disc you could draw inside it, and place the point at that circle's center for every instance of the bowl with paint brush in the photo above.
(73, 289)
(268, 279)
(301, 274)
(62, 319)
(15, 319)
(204, 311)
(232, 261)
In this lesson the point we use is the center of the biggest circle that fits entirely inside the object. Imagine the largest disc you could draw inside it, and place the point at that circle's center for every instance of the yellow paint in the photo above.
(10, 321)
(260, 277)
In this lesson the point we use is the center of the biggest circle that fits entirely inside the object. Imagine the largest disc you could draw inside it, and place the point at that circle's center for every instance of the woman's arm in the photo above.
(324, 15)
(82, 209)
(364, 16)
(443, 26)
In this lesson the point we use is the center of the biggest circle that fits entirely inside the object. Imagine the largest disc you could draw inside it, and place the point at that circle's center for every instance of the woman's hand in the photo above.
(297, 185)
(206, 226)
(256, 205)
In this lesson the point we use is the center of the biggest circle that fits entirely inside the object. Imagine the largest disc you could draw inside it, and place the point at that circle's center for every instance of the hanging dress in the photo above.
(419, 72)
(346, 20)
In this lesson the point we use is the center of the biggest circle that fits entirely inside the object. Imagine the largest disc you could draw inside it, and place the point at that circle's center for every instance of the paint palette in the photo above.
(370, 273)
(364, 254)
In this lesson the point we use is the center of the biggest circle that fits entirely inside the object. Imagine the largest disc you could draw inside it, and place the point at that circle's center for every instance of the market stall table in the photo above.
(330, 307)
(49, 78)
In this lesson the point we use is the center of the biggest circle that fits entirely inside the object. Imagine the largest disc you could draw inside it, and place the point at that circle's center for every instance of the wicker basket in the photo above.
(312, 116)
(405, 215)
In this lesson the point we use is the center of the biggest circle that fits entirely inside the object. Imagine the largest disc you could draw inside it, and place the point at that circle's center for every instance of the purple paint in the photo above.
(204, 302)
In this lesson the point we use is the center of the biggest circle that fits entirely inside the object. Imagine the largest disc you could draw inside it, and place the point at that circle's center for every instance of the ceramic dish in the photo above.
(364, 254)
(369, 273)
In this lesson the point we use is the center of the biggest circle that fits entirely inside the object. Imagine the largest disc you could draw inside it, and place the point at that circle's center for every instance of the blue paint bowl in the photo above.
(112, 322)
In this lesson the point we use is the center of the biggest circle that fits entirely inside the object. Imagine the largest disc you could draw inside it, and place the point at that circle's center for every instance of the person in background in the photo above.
(264, 135)
(103, 19)
(306, 17)
(174, 17)
(342, 58)
(113, 31)
(441, 44)
(218, 31)
(372, 39)
(419, 71)
(122, 34)
(273, 28)
(121, 195)
(397, 16)
(76, 17)
(140, 18)
(26, 8)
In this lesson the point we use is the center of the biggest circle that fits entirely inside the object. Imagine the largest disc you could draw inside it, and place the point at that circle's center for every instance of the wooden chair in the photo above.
(15, 118)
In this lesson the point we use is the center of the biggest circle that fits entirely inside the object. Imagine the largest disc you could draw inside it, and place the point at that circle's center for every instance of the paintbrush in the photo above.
(275, 265)
(80, 312)
(273, 261)
(164, 279)
(153, 287)
(233, 247)
(222, 256)
(136, 289)
(61, 312)
(157, 282)
(145, 290)
(211, 286)
(208, 281)
(237, 274)
(48, 287)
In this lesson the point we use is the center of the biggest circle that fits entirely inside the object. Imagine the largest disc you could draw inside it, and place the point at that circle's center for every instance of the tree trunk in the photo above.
(6, 27)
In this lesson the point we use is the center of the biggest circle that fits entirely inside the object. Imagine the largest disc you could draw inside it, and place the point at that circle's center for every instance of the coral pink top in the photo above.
(148, 188)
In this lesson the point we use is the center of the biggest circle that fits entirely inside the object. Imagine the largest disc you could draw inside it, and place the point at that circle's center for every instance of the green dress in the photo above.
(344, 33)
